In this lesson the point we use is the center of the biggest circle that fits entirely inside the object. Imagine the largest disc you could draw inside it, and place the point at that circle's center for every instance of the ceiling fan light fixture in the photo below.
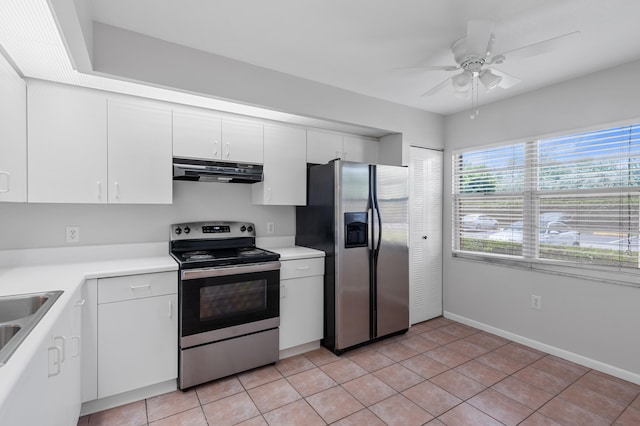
(489, 80)
(462, 81)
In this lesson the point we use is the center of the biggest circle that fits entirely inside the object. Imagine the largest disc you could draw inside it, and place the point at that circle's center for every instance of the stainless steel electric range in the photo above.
(229, 300)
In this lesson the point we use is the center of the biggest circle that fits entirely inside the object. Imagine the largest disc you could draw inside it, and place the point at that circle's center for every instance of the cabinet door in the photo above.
(301, 311)
(13, 135)
(140, 161)
(24, 404)
(323, 147)
(285, 167)
(137, 344)
(242, 141)
(62, 403)
(67, 150)
(90, 341)
(196, 135)
(359, 149)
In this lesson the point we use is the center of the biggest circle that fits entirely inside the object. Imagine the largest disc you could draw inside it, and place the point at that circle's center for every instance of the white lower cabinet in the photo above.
(64, 388)
(137, 332)
(49, 390)
(301, 301)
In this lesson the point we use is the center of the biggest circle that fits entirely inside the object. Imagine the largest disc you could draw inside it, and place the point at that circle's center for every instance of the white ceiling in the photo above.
(358, 45)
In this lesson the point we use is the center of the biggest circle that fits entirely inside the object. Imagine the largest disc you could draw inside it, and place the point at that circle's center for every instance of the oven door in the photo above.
(220, 303)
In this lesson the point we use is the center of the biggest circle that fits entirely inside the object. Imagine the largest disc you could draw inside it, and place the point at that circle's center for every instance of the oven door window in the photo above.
(218, 302)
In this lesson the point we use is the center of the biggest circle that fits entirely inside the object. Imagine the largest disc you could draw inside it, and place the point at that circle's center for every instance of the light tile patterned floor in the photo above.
(440, 372)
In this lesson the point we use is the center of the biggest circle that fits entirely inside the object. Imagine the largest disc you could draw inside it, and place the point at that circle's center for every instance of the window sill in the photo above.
(609, 275)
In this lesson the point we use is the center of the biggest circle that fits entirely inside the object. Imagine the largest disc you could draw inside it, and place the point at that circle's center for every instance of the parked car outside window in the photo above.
(558, 233)
(478, 221)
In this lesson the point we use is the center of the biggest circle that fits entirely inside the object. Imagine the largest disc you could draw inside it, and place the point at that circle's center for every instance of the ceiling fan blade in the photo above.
(507, 81)
(437, 88)
(540, 47)
(430, 68)
(478, 37)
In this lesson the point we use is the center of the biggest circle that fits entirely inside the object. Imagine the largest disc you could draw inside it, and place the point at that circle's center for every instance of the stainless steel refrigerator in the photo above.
(358, 215)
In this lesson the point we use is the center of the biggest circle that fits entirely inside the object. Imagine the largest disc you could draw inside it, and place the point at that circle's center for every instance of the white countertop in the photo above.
(55, 269)
(67, 277)
(296, 252)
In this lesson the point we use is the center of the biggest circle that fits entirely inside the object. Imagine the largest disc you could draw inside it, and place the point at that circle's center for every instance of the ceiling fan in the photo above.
(474, 56)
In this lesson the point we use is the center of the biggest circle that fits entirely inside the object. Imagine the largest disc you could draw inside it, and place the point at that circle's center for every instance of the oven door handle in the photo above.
(192, 274)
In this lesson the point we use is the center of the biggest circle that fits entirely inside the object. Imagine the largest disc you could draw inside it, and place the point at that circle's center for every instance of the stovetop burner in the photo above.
(213, 244)
(197, 255)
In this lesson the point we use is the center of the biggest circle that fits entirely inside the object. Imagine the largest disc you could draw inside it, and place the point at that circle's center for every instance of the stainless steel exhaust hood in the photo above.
(216, 171)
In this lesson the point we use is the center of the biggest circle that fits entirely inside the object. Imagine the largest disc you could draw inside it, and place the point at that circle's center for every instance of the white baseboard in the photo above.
(96, 405)
(300, 349)
(560, 353)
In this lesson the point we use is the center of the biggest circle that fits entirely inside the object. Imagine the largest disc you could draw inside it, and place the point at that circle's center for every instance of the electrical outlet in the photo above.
(271, 227)
(73, 234)
(536, 302)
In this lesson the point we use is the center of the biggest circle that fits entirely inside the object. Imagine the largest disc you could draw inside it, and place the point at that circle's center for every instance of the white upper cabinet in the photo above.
(196, 135)
(359, 149)
(84, 148)
(67, 153)
(323, 147)
(13, 135)
(201, 135)
(140, 161)
(285, 168)
(242, 141)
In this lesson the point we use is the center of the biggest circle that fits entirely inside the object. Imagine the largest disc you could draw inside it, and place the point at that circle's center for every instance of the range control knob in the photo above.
(178, 230)
(243, 228)
(187, 230)
(250, 228)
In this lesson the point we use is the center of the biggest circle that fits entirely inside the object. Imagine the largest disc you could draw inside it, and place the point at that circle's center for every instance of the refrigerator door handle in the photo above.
(369, 222)
(379, 239)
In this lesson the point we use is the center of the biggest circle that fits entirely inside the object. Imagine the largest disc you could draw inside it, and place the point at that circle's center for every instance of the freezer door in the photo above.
(392, 312)
(352, 318)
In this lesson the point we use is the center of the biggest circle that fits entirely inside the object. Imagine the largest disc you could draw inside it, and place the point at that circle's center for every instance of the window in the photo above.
(573, 199)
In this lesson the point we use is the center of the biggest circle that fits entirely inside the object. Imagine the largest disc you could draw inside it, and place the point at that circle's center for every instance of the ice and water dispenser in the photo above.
(356, 234)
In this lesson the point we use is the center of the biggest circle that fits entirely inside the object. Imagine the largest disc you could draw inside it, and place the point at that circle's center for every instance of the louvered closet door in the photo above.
(425, 237)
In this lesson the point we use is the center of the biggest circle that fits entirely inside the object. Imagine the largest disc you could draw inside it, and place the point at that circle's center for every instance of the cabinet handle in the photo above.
(228, 149)
(8, 187)
(344, 155)
(56, 350)
(64, 344)
(170, 308)
(99, 185)
(269, 194)
(76, 339)
(283, 291)
(80, 302)
(117, 194)
(136, 287)
(215, 148)
(302, 268)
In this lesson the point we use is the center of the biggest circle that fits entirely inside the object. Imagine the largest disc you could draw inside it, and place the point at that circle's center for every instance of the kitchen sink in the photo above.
(19, 314)
(16, 307)
(7, 331)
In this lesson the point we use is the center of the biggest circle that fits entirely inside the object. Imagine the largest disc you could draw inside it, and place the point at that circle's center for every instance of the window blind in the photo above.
(574, 198)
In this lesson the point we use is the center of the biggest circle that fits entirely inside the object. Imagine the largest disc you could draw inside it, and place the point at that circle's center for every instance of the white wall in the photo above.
(595, 323)
(43, 225)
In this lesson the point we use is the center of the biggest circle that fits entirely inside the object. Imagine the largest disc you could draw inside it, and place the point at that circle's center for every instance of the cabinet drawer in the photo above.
(136, 286)
(301, 268)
